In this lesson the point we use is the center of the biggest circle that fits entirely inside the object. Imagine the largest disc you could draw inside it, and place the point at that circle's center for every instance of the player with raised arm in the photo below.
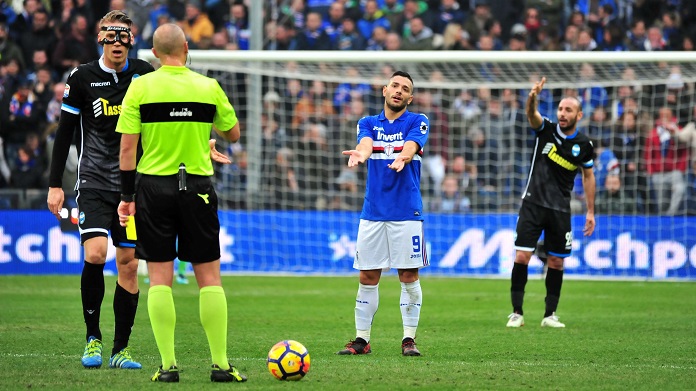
(92, 103)
(559, 152)
(390, 234)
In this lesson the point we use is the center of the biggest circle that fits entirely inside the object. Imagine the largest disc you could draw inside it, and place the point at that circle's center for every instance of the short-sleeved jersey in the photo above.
(555, 163)
(95, 92)
(391, 195)
(173, 109)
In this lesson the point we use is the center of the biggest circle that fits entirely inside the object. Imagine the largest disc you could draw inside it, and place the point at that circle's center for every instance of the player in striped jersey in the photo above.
(390, 234)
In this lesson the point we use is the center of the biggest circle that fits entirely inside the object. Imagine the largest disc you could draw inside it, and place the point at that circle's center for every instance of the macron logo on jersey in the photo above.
(100, 84)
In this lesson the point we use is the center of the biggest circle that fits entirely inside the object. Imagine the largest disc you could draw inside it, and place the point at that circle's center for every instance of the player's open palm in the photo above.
(398, 163)
(589, 224)
(354, 157)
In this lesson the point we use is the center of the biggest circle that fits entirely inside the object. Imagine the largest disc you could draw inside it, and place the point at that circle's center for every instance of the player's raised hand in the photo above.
(355, 157)
(538, 86)
(216, 155)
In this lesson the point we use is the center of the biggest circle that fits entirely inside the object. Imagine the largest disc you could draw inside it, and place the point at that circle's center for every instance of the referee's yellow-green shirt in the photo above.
(173, 109)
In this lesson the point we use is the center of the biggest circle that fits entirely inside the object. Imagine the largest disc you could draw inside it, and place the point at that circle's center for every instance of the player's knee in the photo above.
(523, 257)
(555, 263)
(96, 257)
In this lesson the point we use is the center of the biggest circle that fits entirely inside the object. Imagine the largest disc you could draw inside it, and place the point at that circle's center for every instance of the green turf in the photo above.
(619, 335)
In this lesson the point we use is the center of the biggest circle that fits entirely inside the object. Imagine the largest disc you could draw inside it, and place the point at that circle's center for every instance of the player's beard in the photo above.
(570, 125)
(396, 108)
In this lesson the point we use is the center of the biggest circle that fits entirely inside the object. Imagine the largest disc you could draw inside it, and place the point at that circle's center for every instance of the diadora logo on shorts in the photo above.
(102, 106)
(550, 150)
(100, 84)
(181, 113)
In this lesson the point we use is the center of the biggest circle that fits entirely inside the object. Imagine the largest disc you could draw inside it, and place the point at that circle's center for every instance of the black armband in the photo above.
(127, 185)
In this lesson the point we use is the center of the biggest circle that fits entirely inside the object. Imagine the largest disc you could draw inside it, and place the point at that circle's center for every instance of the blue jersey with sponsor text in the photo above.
(391, 195)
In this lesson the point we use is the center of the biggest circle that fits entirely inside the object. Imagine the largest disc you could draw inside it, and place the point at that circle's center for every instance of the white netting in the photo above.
(299, 111)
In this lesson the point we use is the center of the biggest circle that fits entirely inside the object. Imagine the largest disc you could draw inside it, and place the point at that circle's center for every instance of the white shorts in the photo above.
(390, 244)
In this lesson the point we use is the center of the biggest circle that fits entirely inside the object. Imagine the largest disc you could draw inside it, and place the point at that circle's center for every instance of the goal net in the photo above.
(289, 203)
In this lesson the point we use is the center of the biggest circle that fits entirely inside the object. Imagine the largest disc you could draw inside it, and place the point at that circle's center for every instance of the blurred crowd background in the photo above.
(644, 134)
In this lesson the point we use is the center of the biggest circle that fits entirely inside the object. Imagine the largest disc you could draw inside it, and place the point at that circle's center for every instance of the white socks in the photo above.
(366, 304)
(411, 300)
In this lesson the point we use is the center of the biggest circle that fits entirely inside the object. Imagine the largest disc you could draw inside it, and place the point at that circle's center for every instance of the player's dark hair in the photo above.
(116, 16)
(402, 74)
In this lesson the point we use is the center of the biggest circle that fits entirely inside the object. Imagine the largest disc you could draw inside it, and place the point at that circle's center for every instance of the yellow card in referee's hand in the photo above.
(130, 229)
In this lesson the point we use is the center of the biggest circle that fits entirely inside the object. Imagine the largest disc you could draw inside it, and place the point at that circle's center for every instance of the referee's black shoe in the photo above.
(226, 375)
(166, 376)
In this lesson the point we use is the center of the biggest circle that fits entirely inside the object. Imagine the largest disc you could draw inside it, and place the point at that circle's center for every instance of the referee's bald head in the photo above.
(169, 40)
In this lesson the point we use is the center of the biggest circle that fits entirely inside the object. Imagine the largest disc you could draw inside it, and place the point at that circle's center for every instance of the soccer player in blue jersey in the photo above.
(390, 234)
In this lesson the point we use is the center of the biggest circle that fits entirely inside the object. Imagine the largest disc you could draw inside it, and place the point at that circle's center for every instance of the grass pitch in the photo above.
(619, 336)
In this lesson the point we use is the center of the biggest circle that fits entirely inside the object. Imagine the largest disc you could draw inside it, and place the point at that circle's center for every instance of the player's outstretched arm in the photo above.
(588, 184)
(360, 153)
(61, 148)
(533, 115)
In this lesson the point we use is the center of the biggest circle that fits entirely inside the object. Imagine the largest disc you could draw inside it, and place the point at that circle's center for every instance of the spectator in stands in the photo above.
(413, 8)
(349, 38)
(605, 164)
(613, 40)
(40, 37)
(5, 172)
(435, 162)
(671, 31)
(577, 19)
(372, 17)
(394, 12)
(237, 27)
(549, 13)
(23, 21)
(450, 11)
(43, 89)
(600, 22)
(570, 38)
(196, 25)
(314, 154)
(613, 200)
(450, 198)
(285, 182)
(333, 24)
(295, 11)
(322, 7)
(378, 41)
(392, 42)
(23, 114)
(313, 37)
(466, 106)
(585, 42)
(666, 159)
(485, 152)
(349, 91)
(284, 37)
(420, 37)
(532, 22)
(348, 195)
(9, 49)
(518, 38)
(314, 107)
(455, 38)
(600, 125)
(655, 41)
(475, 23)
(636, 38)
(592, 94)
(27, 172)
(54, 105)
(76, 47)
(39, 60)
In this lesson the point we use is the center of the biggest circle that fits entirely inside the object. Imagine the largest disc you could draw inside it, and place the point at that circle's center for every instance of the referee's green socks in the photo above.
(160, 306)
(213, 312)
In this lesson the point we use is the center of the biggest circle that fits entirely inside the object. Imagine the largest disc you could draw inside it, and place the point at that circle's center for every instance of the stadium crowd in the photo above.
(646, 137)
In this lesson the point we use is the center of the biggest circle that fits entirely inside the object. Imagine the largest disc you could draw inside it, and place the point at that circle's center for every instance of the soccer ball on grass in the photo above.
(288, 360)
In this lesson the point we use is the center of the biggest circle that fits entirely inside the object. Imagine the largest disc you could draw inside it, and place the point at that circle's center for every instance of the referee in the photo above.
(174, 109)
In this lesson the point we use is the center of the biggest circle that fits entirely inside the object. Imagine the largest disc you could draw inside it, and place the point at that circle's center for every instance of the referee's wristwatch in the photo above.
(127, 197)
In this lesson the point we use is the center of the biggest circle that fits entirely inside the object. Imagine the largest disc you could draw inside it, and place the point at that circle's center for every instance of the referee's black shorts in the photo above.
(533, 219)
(98, 216)
(163, 214)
